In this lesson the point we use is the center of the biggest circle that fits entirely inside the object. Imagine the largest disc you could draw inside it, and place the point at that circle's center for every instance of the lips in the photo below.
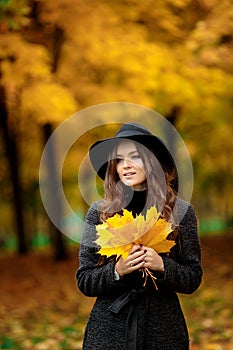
(129, 174)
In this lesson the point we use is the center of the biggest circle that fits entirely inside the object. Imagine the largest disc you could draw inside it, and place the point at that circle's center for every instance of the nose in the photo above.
(127, 163)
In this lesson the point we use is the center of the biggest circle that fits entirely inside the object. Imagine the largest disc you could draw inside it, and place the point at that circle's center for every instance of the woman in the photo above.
(138, 172)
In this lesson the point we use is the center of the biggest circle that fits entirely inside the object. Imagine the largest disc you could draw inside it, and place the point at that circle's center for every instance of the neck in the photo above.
(136, 200)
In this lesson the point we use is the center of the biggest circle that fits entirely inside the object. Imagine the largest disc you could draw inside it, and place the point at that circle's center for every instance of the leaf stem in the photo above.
(145, 273)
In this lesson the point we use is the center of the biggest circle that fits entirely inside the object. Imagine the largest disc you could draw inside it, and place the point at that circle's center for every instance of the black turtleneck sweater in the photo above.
(137, 202)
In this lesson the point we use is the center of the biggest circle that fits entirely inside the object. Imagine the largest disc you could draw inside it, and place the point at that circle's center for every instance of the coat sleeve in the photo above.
(183, 273)
(94, 280)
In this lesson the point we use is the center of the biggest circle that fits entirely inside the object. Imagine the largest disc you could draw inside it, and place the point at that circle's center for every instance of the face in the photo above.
(130, 166)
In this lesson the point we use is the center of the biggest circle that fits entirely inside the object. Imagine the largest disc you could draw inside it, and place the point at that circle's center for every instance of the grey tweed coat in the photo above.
(127, 316)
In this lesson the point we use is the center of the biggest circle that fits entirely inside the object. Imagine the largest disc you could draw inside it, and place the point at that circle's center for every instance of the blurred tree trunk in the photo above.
(172, 116)
(12, 153)
(57, 42)
(54, 200)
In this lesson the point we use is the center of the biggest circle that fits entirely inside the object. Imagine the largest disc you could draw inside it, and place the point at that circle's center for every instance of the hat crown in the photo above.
(131, 129)
(100, 150)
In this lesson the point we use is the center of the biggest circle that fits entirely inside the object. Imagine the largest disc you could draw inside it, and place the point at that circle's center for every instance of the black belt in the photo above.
(132, 297)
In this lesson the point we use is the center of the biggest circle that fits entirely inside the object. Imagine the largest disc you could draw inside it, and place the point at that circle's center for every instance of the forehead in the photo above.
(126, 146)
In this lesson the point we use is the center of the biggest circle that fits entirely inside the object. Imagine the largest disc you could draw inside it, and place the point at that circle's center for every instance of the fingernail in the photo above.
(145, 250)
(141, 245)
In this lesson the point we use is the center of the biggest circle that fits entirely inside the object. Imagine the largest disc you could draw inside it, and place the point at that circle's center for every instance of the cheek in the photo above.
(143, 173)
(139, 164)
(118, 169)
(141, 167)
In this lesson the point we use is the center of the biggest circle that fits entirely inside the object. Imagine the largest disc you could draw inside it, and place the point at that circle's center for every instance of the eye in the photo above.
(136, 156)
(118, 160)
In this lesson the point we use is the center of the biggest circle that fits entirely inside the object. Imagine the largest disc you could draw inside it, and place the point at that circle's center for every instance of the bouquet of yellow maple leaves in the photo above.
(118, 233)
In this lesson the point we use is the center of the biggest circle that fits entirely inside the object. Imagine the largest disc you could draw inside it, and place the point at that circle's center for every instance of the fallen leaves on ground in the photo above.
(209, 311)
(42, 309)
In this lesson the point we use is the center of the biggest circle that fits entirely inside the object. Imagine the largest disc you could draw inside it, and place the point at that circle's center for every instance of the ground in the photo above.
(42, 309)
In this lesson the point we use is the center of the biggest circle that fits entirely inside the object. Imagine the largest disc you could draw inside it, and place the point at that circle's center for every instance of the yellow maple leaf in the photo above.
(122, 250)
(156, 237)
(118, 233)
(120, 220)
(105, 236)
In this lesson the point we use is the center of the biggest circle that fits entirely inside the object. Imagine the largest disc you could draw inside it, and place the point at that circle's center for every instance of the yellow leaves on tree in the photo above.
(118, 233)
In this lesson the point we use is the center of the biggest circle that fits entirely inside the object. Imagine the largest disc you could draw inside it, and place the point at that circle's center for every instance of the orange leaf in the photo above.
(156, 236)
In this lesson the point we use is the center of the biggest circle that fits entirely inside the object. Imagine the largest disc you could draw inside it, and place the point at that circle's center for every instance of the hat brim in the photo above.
(100, 150)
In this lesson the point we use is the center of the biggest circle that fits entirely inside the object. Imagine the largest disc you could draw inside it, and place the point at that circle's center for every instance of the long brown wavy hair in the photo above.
(160, 190)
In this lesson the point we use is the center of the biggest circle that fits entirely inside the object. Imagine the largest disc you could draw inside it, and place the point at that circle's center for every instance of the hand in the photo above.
(134, 261)
(152, 259)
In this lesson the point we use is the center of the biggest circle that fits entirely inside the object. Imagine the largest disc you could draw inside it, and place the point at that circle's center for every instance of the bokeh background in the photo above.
(59, 57)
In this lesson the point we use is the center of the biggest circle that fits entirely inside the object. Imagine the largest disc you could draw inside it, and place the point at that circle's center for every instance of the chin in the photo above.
(128, 183)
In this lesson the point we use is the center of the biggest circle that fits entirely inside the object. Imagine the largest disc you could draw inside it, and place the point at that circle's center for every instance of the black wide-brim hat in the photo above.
(100, 150)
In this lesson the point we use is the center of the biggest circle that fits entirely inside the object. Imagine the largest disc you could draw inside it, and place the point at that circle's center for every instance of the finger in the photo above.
(137, 260)
(147, 248)
(138, 254)
(137, 266)
(135, 247)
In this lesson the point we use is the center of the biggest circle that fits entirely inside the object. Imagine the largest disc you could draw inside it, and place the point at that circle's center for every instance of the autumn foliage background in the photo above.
(56, 58)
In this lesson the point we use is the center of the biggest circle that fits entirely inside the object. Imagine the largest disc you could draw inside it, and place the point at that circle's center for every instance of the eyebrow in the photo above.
(119, 155)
